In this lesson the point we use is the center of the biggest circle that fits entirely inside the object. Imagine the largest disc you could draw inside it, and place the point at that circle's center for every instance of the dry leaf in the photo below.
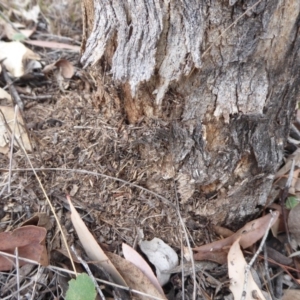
(91, 247)
(7, 118)
(30, 243)
(236, 271)
(39, 219)
(218, 256)
(65, 67)
(16, 55)
(249, 234)
(53, 45)
(255, 230)
(222, 231)
(135, 277)
(162, 256)
(135, 258)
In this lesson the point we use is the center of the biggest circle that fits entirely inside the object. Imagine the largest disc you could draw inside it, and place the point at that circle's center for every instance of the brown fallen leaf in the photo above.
(249, 234)
(39, 219)
(135, 258)
(30, 243)
(135, 278)
(222, 231)
(65, 68)
(218, 256)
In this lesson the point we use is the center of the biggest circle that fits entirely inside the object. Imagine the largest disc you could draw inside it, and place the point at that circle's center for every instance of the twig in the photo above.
(12, 89)
(181, 264)
(283, 196)
(18, 272)
(40, 97)
(12, 148)
(39, 271)
(51, 207)
(87, 268)
(188, 244)
(56, 37)
(250, 264)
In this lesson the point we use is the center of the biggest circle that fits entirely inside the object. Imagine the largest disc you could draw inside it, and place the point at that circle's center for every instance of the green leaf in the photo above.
(18, 37)
(291, 202)
(81, 288)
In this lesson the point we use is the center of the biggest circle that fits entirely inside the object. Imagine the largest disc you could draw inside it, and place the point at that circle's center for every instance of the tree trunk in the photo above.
(220, 78)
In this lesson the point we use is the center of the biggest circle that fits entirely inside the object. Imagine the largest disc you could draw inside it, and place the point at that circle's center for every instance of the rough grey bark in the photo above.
(231, 71)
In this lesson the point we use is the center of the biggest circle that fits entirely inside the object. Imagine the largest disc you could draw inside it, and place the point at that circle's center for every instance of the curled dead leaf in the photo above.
(65, 68)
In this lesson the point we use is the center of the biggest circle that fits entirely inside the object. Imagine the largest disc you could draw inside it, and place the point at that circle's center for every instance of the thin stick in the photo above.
(35, 282)
(52, 209)
(18, 272)
(182, 268)
(188, 244)
(12, 89)
(40, 97)
(12, 147)
(87, 268)
(250, 264)
(283, 197)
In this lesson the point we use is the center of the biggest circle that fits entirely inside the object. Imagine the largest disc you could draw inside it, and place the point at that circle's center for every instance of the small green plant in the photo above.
(291, 202)
(18, 37)
(81, 288)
